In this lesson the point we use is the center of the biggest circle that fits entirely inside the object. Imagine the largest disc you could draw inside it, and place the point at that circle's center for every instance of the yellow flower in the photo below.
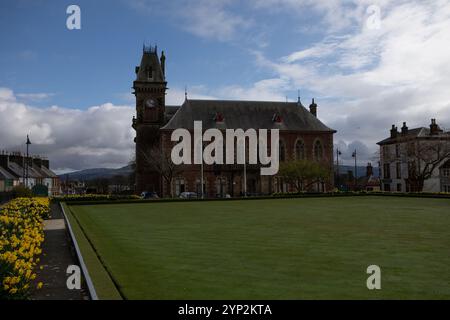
(39, 285)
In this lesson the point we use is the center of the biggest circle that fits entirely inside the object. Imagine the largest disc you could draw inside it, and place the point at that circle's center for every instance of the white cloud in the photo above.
(366, 79)
(35, 96)
(100, 136)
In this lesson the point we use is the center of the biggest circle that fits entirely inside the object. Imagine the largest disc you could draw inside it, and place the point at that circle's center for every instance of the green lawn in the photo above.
(312, 248)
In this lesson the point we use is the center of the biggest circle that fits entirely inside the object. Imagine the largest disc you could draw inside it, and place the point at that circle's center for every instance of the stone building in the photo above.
(404, 154)
(302, 136)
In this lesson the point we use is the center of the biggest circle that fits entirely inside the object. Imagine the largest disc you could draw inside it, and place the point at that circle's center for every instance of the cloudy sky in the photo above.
(369, 64)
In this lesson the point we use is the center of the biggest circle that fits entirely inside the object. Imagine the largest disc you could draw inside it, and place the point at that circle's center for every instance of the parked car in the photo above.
(149, 195)
(188, 195)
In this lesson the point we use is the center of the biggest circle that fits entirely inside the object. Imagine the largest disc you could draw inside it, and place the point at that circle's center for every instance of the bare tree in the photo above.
(161, 162)
(424, 157)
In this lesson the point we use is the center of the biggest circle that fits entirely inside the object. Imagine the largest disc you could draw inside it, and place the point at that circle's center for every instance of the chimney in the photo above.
(163, 63)
(313, 108)
(404, 129)
(37, 162)
(394, 131)
(4, 160)
(434, 128)
(369, 170)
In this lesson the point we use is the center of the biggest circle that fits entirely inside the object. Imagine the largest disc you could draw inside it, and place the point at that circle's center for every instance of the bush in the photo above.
(21, 192)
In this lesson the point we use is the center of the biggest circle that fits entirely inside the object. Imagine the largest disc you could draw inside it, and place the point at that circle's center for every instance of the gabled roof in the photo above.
(245, 115)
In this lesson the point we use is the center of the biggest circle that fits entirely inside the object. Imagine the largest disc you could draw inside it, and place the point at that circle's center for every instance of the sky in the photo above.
(368, 64)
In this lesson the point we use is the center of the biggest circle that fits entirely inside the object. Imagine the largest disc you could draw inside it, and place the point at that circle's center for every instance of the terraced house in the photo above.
(34, 172)
(302, 136)
(414, 160)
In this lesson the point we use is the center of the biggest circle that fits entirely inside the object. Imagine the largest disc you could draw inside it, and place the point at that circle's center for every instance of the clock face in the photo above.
(150, 103)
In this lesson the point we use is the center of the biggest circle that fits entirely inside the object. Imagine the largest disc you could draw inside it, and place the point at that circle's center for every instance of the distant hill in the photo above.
(91, 174)
(361, 170)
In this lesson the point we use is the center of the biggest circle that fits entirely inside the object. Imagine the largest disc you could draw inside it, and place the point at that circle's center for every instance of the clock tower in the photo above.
(150, 90)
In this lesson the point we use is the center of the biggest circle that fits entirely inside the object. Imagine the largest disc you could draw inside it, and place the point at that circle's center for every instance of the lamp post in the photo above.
(356, 170)
(27, 161)
(338, 153)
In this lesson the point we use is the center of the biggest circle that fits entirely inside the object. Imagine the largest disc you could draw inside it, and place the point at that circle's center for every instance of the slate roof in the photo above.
(420, 132)
(48, 173)
(5, 175)
(245, 115)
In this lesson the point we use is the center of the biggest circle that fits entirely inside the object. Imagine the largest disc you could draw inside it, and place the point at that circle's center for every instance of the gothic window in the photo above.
(300, 150)
(282, 150)
(318, 150)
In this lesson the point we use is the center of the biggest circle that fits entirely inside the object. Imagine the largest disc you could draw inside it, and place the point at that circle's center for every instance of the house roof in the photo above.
(5, 175)
(420, 132)
(48, 173)
(237, 114)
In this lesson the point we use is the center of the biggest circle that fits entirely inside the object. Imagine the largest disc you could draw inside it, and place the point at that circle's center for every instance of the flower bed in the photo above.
(21, 236)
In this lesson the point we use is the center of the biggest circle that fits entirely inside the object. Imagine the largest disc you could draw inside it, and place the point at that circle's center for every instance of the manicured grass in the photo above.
(274, 249)
(104, 286)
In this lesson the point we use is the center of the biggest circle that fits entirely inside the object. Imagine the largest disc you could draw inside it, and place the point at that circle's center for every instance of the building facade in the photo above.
(32, 172)
(410, 152)
(302, 136)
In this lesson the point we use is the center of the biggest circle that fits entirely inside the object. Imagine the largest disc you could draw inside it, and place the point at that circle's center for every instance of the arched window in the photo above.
(282, 151)
(318, 150)
(300, 150)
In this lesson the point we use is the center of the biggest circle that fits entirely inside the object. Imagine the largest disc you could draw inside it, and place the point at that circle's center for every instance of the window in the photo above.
(397, 150)
(179, 186)
(447, 188)
(318, 150)
(387, 187)
(446, 172)
(387, 171)
(399, 187)
(399, 170)
(300, 150)
(282, 151)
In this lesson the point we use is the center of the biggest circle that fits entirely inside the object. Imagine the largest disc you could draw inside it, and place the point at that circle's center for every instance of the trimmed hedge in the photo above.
(136, 199)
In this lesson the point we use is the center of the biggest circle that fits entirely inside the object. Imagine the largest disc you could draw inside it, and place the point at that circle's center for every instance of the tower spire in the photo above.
(185, 93)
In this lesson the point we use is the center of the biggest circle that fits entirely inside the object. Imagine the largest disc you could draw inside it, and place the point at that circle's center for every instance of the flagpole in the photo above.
(245, 170)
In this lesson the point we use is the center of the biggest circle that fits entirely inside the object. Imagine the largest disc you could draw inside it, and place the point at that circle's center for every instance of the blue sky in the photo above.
(82, 68)
(368, 63)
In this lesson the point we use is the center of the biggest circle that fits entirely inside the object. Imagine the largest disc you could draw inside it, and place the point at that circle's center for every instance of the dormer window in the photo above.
(277, 118)
(219, 117)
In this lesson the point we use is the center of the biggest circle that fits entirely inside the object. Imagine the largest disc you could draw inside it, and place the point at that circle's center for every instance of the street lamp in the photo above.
(356, 169)
(27, 164)
(338, 153)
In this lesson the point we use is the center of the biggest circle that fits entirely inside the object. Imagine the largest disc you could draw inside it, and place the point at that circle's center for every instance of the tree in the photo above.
(303, 173)
(161, 162)
(424, 157)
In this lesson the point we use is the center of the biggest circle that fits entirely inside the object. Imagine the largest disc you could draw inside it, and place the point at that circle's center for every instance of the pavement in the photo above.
(57, 255)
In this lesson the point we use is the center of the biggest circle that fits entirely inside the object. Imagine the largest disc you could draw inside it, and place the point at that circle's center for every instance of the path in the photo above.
(57, 255)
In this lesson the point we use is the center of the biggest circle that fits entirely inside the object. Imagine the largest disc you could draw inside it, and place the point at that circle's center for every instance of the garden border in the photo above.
(90, 285)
